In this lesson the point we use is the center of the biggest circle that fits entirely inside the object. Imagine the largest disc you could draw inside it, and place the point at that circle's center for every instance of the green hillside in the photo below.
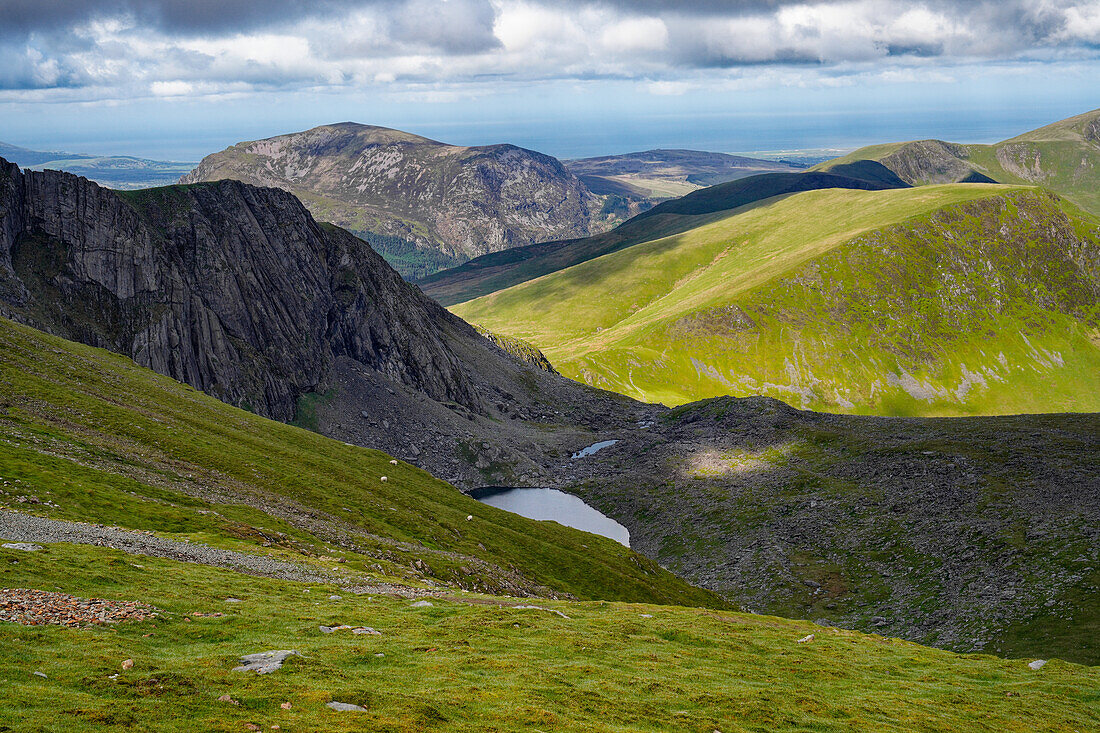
(948, 299)
(1063, 157)
(499, 270)
(86, 435)
(107, 440)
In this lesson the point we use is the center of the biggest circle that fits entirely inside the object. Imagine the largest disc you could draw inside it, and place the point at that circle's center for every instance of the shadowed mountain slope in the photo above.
(658, 174)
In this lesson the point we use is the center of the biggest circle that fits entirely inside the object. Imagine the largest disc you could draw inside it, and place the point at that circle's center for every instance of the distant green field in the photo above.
(939, 300)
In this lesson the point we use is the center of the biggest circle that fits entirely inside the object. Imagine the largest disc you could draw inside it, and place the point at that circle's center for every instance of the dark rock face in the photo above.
(233, 289)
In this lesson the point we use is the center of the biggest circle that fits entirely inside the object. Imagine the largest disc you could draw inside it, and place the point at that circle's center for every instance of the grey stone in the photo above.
(1037, 664)
(25, 546)
(233, 600)
(345, 707)
(539, 608)
(421, 604)
(265, 662)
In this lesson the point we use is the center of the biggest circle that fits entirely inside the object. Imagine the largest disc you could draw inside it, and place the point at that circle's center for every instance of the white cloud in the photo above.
(171, 88)
(635, 34)
(465, 42)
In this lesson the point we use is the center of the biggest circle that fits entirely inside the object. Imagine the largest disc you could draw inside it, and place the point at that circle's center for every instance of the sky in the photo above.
(178, 79)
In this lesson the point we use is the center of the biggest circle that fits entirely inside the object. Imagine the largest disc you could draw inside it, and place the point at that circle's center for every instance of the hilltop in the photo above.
(423, 204)
(653, 175)
(935, 300)
(1063, 157)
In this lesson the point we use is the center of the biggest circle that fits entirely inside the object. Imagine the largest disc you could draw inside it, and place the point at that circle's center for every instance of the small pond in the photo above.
(551, 504)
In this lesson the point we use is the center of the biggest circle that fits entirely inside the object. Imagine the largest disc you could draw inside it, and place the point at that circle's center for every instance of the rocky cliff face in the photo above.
(933, 161)
(233, 289)
(458, 202)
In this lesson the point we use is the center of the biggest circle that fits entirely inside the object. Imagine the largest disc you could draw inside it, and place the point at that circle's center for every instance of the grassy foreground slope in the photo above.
(1063, 157)
(981, 300)
(108, 441)
(481, 666)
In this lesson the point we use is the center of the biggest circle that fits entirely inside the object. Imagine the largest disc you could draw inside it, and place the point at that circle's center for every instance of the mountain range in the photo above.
(914, 299)
(238, 291)
(427, 205)
(1063, 157)
(424, 204)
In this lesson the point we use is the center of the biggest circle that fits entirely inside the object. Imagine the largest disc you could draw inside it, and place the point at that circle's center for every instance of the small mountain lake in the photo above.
(551, 504)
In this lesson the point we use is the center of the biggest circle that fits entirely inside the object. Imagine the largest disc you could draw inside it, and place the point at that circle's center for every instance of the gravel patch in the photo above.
(39, 608)
(26, 528)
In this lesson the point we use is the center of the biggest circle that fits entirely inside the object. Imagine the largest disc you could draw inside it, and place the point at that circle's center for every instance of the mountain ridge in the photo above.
(496, 271)
(1063, 156)
(420, 200)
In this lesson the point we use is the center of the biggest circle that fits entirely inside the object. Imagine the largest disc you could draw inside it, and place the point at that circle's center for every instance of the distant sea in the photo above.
(751, 133)
(814, 134)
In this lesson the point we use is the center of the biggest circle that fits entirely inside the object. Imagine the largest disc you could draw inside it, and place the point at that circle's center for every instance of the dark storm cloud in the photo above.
(183, 16)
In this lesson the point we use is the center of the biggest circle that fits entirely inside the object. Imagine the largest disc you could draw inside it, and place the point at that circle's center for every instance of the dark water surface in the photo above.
(551, 504)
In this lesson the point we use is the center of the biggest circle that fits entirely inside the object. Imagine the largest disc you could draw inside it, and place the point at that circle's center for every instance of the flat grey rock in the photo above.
(1037, 664)
(539, 608)
(265, 662)
(233, 600)
(25, 546)
(421, 604)
(345, 707)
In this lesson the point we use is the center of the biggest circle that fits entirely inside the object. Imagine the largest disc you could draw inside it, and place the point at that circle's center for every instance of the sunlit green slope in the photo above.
(946, 299)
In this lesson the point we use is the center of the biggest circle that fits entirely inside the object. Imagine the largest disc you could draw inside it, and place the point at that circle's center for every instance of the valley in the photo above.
(114, 171)
(511, 404)
(374, 363)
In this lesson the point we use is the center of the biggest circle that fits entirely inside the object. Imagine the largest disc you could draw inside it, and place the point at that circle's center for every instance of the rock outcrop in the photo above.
(231, 288)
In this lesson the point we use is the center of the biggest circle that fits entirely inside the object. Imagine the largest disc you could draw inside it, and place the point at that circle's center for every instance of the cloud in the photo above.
(145, 47)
